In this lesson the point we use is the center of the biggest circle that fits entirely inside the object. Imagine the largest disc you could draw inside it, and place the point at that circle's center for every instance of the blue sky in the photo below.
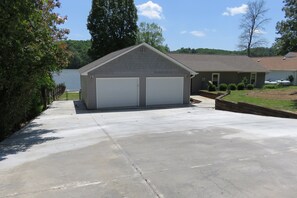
(186, 23)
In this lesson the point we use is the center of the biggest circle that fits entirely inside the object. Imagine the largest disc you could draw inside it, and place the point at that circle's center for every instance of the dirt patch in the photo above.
(274, 94)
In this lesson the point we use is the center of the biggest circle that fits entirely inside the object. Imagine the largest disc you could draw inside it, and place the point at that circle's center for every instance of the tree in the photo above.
(79, 53)
(30, 50)
(112, 25)
(252, 25)
(255, 52)
(152, 34)
(287, 28)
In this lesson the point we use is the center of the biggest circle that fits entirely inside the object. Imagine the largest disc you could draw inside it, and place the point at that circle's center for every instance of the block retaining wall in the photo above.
(209, 94)
(242, 107)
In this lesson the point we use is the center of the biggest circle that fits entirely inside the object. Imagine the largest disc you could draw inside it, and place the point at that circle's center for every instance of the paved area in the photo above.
(181, 152)
(204, 102)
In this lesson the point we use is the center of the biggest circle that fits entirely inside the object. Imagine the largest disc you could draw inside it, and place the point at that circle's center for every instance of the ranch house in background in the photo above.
(280, 68)
(221, 69)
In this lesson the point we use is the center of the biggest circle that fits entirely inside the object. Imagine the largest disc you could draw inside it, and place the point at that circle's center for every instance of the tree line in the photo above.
(79, 52)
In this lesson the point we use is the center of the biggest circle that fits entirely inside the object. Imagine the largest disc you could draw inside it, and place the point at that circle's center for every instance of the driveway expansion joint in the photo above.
(133, 165)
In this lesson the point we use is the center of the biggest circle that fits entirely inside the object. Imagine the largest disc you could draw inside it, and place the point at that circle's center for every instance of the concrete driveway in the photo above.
(181, 152)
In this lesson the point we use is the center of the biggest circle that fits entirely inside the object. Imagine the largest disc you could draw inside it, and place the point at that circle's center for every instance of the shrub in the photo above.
(232, 86)
(212, 87)
(270, 86)
(250, 87)
(245, 81)
(223, 87)
(291, 78)
(240, 86)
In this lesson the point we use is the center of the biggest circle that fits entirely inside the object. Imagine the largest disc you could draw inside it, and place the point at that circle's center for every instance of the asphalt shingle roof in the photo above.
(279, 63)
(218, 63)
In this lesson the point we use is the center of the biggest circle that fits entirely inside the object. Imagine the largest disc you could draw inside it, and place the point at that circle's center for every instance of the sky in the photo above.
(186, 23)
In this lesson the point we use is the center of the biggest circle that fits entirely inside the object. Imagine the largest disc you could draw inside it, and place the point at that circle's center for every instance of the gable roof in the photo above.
(114, 55)
(219, 63)
(279, 63)
(291, 55)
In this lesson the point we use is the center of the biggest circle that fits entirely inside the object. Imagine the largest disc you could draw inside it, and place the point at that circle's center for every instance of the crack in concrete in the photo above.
(133, 165)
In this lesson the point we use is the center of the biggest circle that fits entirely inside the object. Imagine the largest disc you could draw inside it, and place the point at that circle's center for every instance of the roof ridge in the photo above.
(207, 54)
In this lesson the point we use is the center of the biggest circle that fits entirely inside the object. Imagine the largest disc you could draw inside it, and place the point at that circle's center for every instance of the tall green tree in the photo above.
(30, 49)
(252, 26)
(112, 25)
(79, 53)
(152, 34)
(287, 28)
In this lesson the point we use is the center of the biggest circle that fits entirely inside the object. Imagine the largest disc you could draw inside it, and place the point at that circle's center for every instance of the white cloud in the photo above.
(198, 33)
(257, 31)
(151, 10)
(183, 32)
(236, 10)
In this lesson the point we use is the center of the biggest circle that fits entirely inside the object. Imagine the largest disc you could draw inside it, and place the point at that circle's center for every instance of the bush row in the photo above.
(232, 87)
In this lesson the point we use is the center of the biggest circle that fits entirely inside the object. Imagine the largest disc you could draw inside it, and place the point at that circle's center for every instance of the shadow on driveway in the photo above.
(24, 140)
(80, 108)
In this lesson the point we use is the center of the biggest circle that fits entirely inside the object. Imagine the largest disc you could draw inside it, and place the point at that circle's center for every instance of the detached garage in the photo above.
(138, 76)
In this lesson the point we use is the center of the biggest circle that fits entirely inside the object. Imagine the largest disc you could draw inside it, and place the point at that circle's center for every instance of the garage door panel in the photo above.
(164, 90)
(117, 92)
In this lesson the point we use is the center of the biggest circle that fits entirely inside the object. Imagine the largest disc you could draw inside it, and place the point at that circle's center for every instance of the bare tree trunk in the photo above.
(252, 26)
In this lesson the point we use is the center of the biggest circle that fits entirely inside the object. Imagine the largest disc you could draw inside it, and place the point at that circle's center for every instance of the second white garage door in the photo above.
(117, 92)
(164, 90)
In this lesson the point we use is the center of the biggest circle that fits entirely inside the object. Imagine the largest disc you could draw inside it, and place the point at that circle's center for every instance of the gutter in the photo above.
(193, 75)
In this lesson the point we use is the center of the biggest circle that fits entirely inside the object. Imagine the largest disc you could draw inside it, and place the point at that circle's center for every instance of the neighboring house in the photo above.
(221, 69)
(280, 68)
(137, 76)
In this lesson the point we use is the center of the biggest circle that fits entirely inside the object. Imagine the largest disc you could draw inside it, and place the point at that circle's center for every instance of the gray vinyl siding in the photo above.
(142, 63)
(139, 62)
(83, 83)
(200, 82)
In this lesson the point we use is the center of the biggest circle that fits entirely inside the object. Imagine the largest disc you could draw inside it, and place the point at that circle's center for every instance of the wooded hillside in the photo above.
(79, 53)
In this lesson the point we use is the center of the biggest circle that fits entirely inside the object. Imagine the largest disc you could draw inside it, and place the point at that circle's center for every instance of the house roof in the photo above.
(279, 63)
(218, 63)
(291, 55)
(114, 55)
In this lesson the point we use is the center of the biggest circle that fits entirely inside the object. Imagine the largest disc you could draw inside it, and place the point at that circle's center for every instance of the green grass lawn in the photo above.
(69, 96)
(271, 98)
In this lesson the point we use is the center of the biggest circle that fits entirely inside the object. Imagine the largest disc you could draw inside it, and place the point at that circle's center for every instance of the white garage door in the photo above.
(117, 92)
(164, 90)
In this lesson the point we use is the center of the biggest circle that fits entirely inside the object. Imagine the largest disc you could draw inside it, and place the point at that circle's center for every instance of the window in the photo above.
(216, 79)
(253, 78)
